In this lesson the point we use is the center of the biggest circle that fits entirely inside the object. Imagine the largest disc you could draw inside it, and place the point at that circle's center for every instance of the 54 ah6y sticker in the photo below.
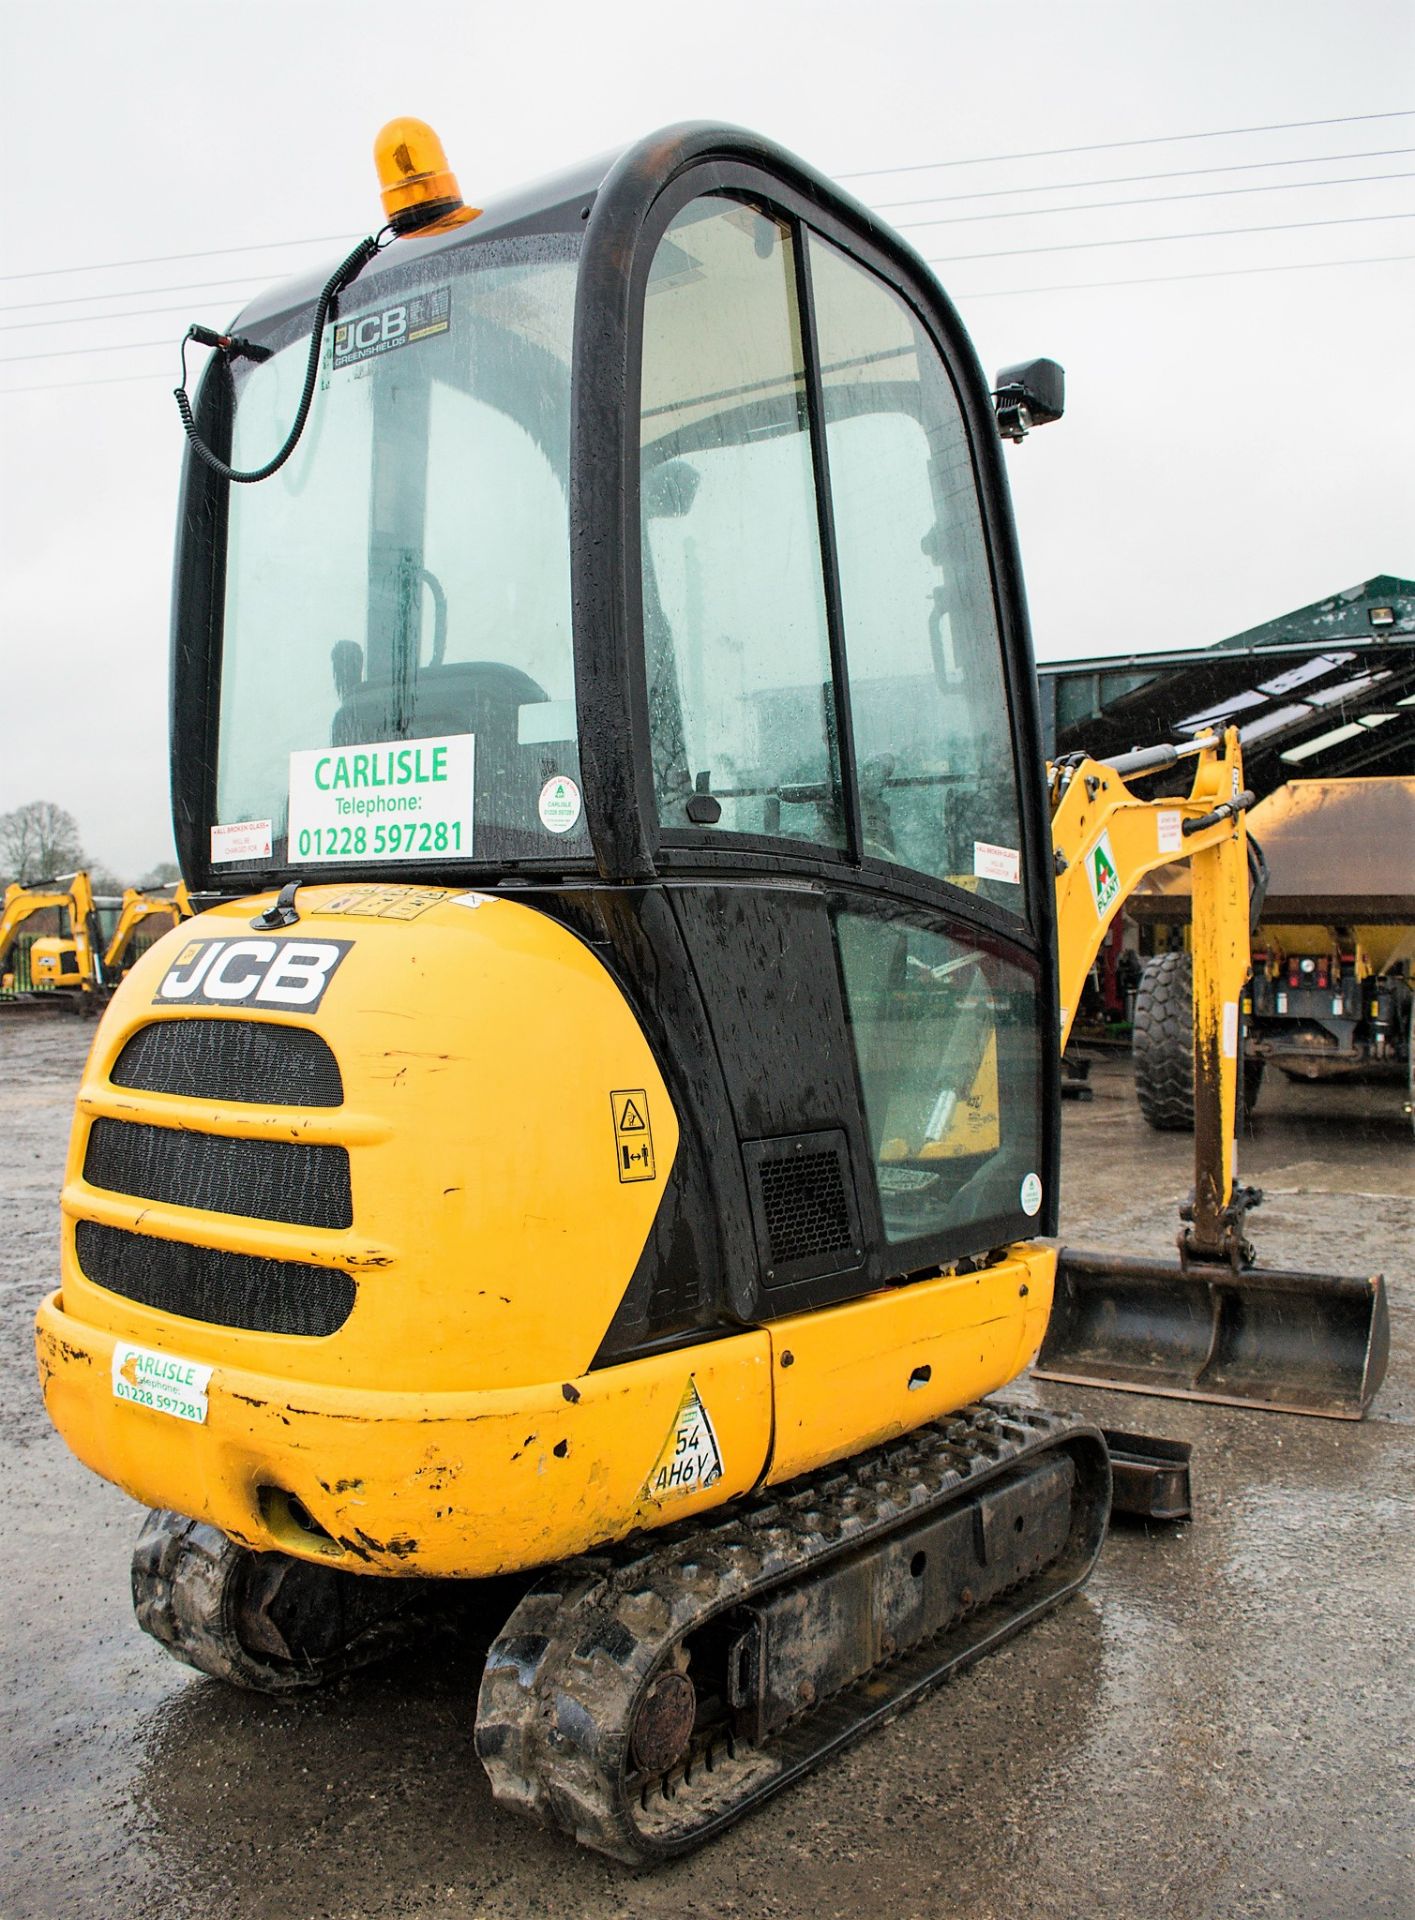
(251, 973)
(691, 1457)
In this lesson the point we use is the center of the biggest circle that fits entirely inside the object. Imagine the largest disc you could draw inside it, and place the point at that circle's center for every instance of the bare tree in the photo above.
(39, 840)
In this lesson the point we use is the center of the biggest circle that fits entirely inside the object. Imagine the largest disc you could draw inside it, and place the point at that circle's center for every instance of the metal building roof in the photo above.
(1327, 690)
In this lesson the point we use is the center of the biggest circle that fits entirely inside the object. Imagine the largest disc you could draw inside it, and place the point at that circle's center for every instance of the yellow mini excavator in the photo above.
(65, 967)
(1218, 1326)
(143, 915)
(101, 939)
(601, 1126)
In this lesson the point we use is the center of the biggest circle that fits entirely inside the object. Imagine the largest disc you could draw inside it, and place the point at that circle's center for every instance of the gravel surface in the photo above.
(1221, 1725)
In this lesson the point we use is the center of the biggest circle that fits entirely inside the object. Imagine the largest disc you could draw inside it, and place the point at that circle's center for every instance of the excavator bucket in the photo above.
(1315, 1343)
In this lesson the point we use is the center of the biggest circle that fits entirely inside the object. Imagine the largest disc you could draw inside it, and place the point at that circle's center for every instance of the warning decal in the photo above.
(633, 1136)
(1101, 872)
(384, 903)
(1169, 830)
(691, 1457)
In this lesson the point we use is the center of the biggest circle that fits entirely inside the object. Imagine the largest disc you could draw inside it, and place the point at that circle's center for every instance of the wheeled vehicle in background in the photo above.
(1333, 950)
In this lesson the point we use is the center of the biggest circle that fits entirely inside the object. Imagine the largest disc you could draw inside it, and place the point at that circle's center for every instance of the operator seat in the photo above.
(480, 697)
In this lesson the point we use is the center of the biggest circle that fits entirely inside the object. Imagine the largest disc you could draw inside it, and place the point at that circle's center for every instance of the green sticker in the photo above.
(1101, 871)
(559, 805)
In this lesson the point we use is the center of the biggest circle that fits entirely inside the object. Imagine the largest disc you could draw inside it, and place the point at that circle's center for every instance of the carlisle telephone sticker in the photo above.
(691, 1457)
(160, 1381)
(410, 799)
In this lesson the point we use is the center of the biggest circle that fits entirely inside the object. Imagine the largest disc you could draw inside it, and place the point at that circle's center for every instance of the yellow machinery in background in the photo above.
(601, 1127)
(1333, 989)
(144, 915)
(67, 966)
(99, 940)
(1217, 1326)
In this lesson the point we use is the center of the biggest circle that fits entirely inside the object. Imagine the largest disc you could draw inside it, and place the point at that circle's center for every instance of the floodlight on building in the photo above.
(1332, 738)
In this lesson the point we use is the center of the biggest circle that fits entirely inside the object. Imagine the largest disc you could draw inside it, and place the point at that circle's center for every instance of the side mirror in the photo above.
(1031, 394)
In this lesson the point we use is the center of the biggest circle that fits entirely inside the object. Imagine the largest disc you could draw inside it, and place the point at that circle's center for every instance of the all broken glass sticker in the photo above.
(419, 316)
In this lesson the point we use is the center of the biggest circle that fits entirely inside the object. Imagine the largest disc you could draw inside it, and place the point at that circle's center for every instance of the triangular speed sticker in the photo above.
(691, 1457)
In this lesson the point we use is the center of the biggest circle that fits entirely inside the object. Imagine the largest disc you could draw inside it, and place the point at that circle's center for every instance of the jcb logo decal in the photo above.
(373, 330)
(254, 973)
(417, 318)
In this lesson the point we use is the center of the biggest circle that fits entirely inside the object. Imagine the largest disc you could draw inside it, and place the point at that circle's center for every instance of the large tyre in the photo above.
(1164, 1047)
(1252, 1077)
(1164, 1043)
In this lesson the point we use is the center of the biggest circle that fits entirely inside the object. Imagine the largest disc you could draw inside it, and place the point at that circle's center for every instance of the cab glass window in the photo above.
(933, 742)
(740, 695)
(405, 577)
(947, 1045)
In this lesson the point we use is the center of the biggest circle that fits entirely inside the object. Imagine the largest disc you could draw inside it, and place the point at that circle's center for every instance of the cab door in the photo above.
(835, 693)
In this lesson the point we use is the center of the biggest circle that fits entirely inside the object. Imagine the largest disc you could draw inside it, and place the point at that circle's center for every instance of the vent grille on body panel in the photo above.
(206, 1283)
(803, 1206)
(301, 1185)
(248, 1060)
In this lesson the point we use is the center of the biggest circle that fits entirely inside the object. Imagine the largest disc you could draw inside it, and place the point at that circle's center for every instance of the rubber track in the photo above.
(564, 1677)
(1164, 1043)
(187, 1579)
(227, 1611)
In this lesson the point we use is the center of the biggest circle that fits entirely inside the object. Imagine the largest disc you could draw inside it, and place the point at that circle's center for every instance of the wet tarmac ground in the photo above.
(1223, 1724)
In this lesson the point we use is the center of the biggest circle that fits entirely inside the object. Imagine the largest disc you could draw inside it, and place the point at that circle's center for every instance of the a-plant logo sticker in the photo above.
(1101, 872)
(251, 973)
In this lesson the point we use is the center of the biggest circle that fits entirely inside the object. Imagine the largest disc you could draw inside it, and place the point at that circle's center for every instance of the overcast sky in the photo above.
(1235, 445)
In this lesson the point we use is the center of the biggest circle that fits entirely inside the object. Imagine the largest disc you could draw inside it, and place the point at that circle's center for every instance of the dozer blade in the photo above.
(1295, 1342)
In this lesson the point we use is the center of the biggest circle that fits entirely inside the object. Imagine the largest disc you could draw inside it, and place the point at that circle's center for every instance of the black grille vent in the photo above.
(304, 1186)
(803, 1202)
(224, 1289)
(231, 1060)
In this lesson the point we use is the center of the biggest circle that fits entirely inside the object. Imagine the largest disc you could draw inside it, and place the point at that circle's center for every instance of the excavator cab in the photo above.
(611, 1081)
(651, 533)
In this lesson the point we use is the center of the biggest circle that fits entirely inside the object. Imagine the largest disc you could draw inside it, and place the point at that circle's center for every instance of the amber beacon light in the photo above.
(419, 188)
